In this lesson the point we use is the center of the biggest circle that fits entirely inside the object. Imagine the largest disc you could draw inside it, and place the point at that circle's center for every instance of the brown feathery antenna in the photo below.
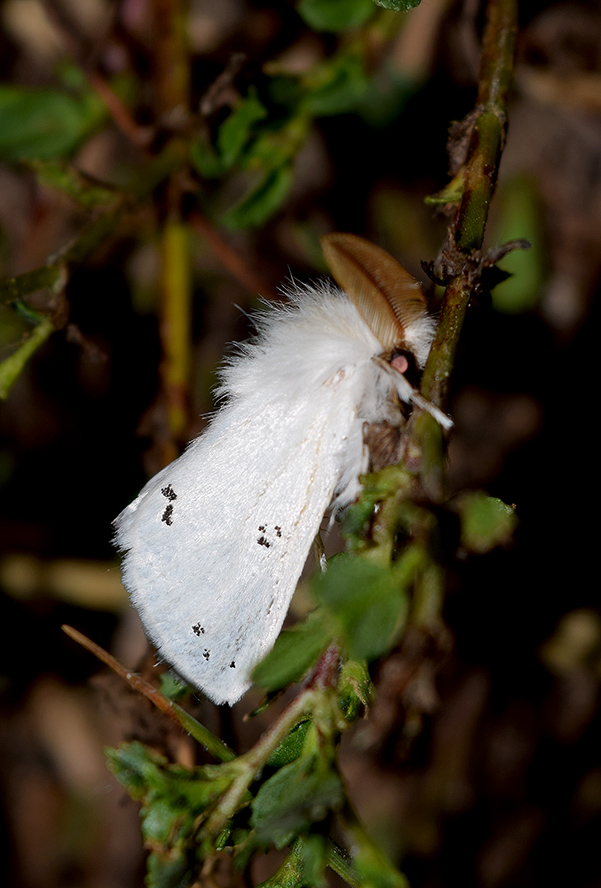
(388, 298)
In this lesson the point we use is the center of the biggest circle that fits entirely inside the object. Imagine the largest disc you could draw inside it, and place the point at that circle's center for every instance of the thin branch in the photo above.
(460, 259)
(231, 260)
(202, 735)
(172, 87)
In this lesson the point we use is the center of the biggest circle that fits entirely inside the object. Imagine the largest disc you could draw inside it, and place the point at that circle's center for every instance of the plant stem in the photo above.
(172, 100)
(175, 323)
(341, 863)
(171, 58)
(10, 369)
(437, 373)
(202, 735)
(466, 233)
(460, 264)
(254, 760)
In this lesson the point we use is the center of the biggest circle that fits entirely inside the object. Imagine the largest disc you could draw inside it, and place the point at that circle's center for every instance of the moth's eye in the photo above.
(404, 361)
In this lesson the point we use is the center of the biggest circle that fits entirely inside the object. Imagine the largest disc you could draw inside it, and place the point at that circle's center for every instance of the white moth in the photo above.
(216, 542)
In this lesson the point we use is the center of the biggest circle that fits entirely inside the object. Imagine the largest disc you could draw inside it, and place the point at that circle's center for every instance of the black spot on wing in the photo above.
(198, 630)
(167, 515)
(232, 665)
(206, 653)
(169, 492)
(264, 540)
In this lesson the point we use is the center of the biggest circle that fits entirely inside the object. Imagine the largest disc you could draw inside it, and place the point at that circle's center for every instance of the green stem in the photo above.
(11, 368)
(171, 57)
(172, 97)
(340, 861)
(437, 373)
(254, 760)
(176, 292)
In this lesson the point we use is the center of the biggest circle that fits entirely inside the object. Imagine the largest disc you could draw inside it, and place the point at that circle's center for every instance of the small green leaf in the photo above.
(236, 130)
(65, 178)
(128, 764)
(486, 522)
(376, 487)
(293, 654)
(398, 5)
(291, 747)
(172, 688)
(167, 791)
(262, 200)
(366, 601)
(313, 852)
(205, 159)
(297, 795)
(355, 689)
(335, 15)
(520, 217)
(450, 194)
(168, 869)
(375, 871)
(43, 123)
(337, 86)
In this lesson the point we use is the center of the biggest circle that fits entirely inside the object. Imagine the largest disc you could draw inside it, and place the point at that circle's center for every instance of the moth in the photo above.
(216, 542)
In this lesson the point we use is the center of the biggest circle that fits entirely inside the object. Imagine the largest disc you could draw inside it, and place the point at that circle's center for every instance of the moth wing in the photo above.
(216, 541)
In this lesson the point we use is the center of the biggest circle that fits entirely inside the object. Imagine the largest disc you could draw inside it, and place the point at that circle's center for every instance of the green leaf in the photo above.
(337, 86)
(236, 130)
(291, 746)
(168, 869)
(44, 123)
(293, 654)
(363, 605)
(172, 795)
(65, 178)
(520, 217)
(128, 764)
(304, 867)
(376, 487)
(355, 689)
(172, 688)
(375, 871)
(262, 200)
(313, 852)
(450, 194)
(486, 522)
(398, 5)
(297, 795)
(335, 15)
(366, 601)
(205, 159)
(234, 134)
